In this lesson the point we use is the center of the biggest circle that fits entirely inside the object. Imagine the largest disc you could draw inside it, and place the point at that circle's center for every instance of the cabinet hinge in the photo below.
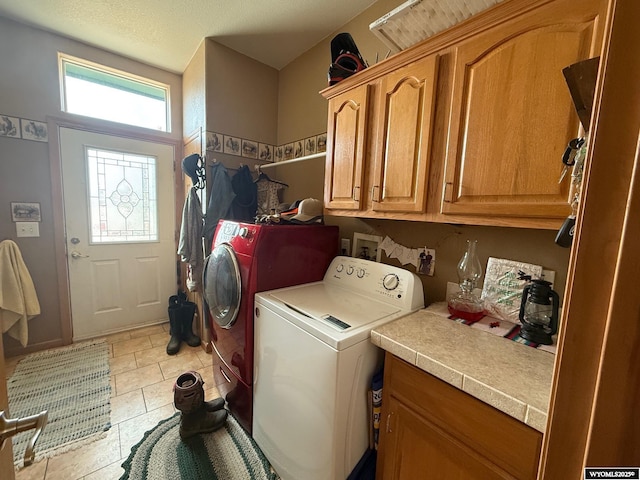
(356, 196)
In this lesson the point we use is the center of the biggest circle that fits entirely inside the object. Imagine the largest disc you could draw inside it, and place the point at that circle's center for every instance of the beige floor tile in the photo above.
(151, 355)
(131, 431)
(187, 350)
(205, 357)
(10, 364)
(173, 367)
(86, 459)
(130, 346)
(126, 406)
(35, 471)
(146, 331)
(129, 381)
(160, 339)
(118, 337)
(110, 472)
(211, 394)
(123, 363)
(158, 394)
(206, 373)
(112, 383)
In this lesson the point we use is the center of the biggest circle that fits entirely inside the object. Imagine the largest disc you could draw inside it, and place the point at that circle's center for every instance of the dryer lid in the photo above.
(222, 285)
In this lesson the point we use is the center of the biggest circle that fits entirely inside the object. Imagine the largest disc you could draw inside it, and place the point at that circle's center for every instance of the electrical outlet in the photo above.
(548, 275)
(345, 246)
(27, 229)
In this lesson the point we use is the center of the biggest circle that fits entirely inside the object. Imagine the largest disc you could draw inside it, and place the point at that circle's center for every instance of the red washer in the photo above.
(246, 259)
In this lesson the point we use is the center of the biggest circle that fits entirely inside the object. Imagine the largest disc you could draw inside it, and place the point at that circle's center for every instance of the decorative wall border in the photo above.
(217, 142)
(15, 127)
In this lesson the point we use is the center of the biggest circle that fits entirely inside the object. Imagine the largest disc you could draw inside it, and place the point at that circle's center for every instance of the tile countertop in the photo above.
(513, 378)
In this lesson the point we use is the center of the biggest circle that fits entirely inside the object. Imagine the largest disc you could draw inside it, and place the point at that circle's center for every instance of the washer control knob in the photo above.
(349, 270)
(360, 273)
(339, 268)
(244, 232)
(390, 281)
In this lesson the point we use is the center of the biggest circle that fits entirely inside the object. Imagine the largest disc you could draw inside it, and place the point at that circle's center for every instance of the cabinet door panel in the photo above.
(346, 136)
(404, 135)
(512, 116)
(418, 449)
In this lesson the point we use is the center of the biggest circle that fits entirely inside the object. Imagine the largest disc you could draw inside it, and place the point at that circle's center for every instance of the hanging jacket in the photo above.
(190, 244)
(245, 203)
(220, 200)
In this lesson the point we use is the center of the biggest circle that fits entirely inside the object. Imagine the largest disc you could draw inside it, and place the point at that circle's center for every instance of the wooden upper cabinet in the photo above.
(346, 137)
(403, 128)
(512, 115)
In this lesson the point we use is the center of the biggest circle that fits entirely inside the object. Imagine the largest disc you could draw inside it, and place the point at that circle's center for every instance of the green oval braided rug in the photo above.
(226, 454)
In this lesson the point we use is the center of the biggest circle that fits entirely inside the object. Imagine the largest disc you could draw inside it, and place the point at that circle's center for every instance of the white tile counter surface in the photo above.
(512, 377)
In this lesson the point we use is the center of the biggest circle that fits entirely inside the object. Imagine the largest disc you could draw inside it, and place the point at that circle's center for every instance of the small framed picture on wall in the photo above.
(366, 247)
(25, 212)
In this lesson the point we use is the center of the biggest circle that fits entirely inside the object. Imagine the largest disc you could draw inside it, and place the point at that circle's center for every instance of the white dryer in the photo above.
(313, 363)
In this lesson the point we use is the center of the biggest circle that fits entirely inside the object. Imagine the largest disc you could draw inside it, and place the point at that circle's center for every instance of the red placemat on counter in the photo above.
(495, 326)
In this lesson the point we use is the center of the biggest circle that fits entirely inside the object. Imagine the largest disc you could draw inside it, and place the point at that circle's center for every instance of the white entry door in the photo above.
(119, 219)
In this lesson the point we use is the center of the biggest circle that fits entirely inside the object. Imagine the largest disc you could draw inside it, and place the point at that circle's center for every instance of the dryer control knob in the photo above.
(361, 272)
(349, 270)
(340, 267)
(244, 232)
(390, 281)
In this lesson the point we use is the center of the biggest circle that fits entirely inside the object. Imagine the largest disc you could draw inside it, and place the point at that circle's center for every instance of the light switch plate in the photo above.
(27, 229)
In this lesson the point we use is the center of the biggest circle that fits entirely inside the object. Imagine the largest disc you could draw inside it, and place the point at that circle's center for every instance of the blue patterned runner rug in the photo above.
(72, 384)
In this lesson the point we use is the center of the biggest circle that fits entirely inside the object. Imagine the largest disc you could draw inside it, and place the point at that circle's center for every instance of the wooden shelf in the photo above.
(293, 160)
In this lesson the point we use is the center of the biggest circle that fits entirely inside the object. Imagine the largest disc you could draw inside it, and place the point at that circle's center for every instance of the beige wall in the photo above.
(241, 95)
(29, 89)
(303, 112)
(231, 94)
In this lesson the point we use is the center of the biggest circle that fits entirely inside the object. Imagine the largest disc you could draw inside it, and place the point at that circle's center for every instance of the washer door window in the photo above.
(223, 285)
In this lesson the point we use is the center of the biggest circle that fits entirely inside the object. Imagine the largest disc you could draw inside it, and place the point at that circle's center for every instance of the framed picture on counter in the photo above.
(366, 247)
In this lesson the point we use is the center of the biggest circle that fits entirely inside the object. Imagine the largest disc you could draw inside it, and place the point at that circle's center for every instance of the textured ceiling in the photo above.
(166, 33)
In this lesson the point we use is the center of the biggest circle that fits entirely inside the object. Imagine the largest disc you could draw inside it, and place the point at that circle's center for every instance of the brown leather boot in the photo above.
(188, 397)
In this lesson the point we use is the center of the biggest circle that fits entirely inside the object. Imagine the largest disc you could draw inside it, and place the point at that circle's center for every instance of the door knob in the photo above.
(75, 254)
(12, 426)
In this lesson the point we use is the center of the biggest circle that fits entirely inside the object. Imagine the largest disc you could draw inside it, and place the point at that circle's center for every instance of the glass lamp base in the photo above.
(465, 306)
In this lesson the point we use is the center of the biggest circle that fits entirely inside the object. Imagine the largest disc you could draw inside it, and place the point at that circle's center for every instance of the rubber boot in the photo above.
(188, 397)
(215, 404)
(187, 311)
(175, 329)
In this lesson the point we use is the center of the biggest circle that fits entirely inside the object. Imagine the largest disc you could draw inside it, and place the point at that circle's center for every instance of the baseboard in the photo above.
(35, 347)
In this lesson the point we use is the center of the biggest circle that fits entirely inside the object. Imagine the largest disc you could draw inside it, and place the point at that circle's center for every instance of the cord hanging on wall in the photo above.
(193, 166)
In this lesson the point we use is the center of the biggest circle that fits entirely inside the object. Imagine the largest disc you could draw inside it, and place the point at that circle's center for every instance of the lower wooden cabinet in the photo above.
(431, 430)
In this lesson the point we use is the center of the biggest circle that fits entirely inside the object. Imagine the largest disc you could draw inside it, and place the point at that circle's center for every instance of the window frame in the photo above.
(64, 58)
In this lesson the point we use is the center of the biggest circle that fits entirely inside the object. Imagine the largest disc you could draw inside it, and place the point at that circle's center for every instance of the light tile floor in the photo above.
(142, 378)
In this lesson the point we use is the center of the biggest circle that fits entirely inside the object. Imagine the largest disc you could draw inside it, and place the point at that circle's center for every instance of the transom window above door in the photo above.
(101, 92)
